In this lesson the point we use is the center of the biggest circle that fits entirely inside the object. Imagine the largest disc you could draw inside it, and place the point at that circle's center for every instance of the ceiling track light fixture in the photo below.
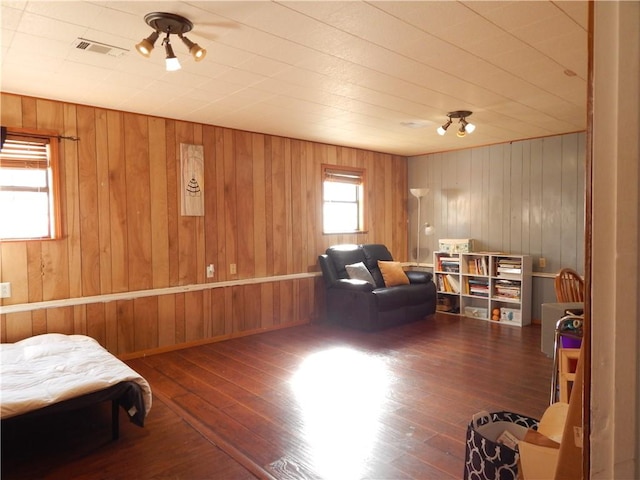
(170, 24)
(465, 127)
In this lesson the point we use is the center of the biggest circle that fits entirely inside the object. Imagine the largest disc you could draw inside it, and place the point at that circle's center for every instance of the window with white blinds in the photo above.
(343, 199)
(28, 181)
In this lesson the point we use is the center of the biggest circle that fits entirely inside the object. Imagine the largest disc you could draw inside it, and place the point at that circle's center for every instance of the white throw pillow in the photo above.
(359, 271)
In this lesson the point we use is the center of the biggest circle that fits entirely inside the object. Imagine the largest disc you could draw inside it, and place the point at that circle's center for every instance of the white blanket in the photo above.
(46, 369)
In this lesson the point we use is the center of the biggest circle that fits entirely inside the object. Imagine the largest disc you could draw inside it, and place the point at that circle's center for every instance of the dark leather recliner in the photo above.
(358, 304)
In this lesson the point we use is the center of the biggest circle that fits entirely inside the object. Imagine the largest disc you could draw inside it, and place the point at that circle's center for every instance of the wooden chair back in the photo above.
(569, 286)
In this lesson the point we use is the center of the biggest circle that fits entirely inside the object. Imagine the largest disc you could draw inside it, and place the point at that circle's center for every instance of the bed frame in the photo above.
(127, 395)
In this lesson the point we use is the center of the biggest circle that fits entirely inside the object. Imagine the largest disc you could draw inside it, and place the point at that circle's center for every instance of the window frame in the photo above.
(348, 175)
(53, 173)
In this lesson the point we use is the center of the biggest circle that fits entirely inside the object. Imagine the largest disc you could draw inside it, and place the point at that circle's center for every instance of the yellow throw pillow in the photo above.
(392, 273)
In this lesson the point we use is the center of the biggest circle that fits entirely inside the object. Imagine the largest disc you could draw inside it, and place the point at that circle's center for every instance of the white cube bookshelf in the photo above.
(491, 286)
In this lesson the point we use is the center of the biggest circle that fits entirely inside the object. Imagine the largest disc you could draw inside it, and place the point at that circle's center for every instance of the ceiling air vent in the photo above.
(98, 47)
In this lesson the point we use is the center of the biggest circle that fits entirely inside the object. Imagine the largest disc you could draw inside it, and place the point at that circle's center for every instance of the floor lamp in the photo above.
(418, 193)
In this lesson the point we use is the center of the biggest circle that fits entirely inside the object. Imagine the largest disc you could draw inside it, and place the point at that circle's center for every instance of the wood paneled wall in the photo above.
(123, 231)
(524, 197)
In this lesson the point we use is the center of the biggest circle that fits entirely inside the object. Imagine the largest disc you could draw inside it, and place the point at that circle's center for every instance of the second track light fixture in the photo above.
(169, 23)
(465, 127)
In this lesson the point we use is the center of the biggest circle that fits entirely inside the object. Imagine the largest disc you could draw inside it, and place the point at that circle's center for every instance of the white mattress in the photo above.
(46, 369)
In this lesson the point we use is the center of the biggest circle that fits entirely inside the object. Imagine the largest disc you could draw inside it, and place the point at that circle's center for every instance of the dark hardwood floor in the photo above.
(314, 401)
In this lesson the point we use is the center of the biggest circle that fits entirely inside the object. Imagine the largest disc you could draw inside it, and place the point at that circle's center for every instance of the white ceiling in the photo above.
(348, 73)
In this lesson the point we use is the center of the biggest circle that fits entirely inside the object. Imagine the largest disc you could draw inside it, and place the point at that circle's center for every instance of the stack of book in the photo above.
(507, 289)
(509, 268)
(449, 264)
(478, 287)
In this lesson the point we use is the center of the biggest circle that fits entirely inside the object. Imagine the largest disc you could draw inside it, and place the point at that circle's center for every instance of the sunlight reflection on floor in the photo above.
(341, 393)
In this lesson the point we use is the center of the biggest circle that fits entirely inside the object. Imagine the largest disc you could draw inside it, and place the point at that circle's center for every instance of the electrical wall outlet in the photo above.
(210, 270)
(232, 269)
(5, 290)
(542, 262)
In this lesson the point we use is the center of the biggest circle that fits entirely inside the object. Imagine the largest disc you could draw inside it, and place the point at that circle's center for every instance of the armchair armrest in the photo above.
(419, 277)
(353, 285)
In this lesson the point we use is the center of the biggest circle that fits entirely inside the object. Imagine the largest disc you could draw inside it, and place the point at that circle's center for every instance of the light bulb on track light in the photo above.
(172, 63)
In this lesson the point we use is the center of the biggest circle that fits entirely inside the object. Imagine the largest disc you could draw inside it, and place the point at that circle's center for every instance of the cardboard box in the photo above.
(510, 315)
(455, 245)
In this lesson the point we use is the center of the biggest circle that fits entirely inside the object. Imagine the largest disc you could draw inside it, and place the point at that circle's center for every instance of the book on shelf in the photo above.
(450, 268)
(509, 276)
(472, 287)
(450, 261)
(516, 271)
(472, 267)
(483, 266)
(454, 282)
(509, 261)
(508, 293)
(507, 288)
(443, 283)
(509, 266)
(479, 293)
(512, 294)
(505, 298)
(449, 264)
(477, 266)
(448, 283)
